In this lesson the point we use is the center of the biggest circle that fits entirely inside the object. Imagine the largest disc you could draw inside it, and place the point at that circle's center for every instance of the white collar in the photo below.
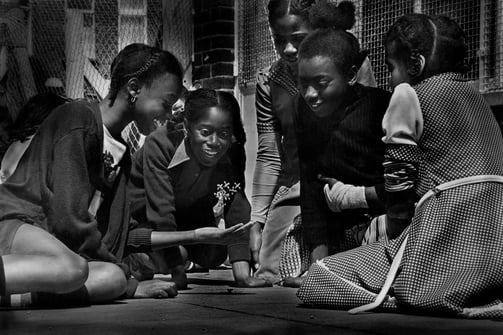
(180, 155)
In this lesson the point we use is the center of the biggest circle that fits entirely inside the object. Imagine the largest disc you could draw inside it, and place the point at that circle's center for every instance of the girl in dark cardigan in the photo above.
(188, 182)
(338, 124)
(71, 182)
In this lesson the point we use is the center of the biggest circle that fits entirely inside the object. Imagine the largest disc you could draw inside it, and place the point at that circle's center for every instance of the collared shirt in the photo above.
(169, 190)
(193, 179)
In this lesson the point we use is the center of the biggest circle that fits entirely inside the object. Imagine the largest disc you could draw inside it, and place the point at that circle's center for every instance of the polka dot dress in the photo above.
(452, 264)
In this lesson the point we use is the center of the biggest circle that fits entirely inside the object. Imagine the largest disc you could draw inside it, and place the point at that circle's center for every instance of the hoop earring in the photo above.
(132, 99)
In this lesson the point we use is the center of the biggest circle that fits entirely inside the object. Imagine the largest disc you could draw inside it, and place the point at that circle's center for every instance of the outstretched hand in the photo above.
(155, 288)
(214, 235)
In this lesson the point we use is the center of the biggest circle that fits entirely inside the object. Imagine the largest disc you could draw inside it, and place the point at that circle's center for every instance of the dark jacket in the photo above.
(169, 191)
(346, 146)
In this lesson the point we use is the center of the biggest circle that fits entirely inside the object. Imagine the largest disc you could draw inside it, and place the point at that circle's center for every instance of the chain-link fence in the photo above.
(67, 46)
(255, 45)
(482, 21)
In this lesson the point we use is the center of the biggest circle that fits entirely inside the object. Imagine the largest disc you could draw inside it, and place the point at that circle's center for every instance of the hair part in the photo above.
(200, 100)
(142, 62)
(279, 8)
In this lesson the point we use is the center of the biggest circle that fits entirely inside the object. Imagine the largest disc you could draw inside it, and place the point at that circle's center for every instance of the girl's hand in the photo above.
(155, 288)
(340, 196)
(214, 235)
(293, 281)
(253, 282)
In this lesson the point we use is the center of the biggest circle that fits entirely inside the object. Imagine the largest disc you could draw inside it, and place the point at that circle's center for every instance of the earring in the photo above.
(352, 81)
(132, 99)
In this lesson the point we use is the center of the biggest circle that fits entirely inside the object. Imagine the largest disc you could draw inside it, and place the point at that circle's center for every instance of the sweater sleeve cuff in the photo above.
(132, 285)
(140, 240)
(239, 252)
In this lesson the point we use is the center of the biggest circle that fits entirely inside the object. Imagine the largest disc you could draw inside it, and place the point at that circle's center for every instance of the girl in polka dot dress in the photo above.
(444, 177)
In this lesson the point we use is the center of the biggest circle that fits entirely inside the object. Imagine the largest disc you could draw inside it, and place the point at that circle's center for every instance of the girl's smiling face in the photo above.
(288, 32)
(322, 84)
(211, 136)
(154, 100)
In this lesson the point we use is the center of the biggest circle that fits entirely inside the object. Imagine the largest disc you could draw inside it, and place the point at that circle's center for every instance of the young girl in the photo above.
(23, 129)
(183, 182)
(443, 142)
(338, 123)
(71, 182)
(275, 197)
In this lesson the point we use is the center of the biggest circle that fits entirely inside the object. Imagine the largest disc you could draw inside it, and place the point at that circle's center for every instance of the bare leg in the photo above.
(41, 263)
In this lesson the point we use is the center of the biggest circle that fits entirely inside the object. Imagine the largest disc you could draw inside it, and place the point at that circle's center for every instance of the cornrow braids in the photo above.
(130, 62)
(154, 58)
(415, 68)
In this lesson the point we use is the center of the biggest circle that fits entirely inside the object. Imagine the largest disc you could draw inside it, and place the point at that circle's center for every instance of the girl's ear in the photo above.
(353, 73)
(133, 87)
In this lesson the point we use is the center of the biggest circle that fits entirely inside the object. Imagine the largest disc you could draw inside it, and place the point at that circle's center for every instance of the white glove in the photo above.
(344, 196)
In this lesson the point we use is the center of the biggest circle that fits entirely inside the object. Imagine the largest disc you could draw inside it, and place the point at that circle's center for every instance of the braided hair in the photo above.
(143, 62)
(439, 39)
(330, 38)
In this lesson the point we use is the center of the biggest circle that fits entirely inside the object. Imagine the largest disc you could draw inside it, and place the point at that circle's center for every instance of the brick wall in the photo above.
(214, 44)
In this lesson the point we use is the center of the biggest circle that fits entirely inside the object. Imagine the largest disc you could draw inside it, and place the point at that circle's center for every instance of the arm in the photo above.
(206, 235)
(158, 191)
(403, 126)
(268, 163)
(237, 211)
(72, 193)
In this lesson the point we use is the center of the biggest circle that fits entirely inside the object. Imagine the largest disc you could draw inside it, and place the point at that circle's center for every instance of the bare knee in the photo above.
(71, 272)
(117, 280)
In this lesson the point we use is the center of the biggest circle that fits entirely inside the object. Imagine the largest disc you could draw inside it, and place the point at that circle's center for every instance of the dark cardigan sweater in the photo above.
(347, 146)
(56, 180)
(181, 196)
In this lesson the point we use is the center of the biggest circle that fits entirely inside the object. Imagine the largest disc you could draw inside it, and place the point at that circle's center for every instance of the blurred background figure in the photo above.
(22, 130)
